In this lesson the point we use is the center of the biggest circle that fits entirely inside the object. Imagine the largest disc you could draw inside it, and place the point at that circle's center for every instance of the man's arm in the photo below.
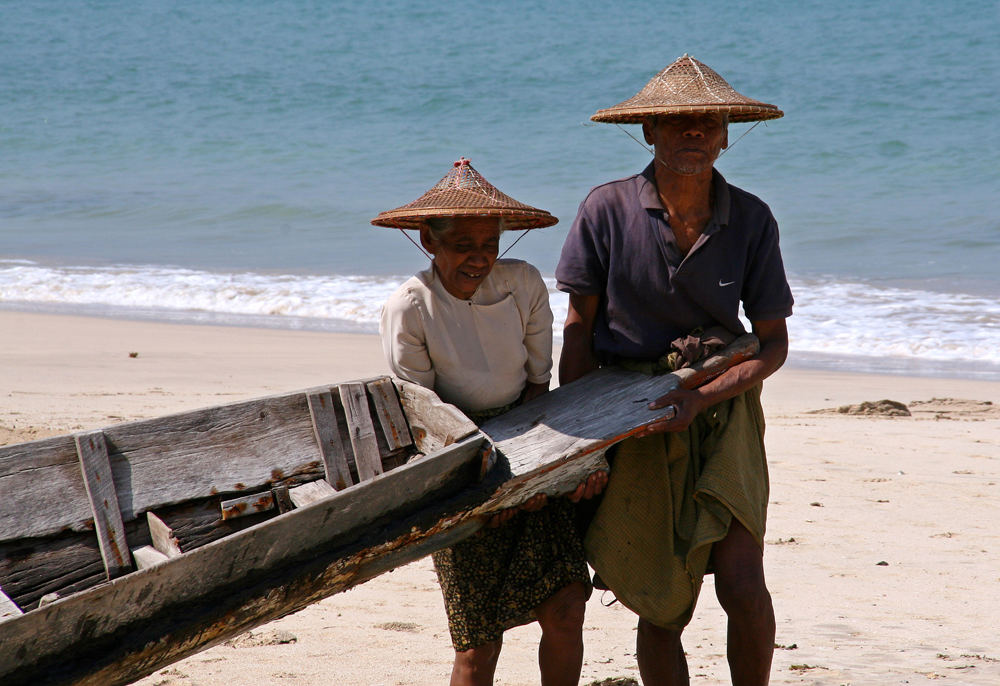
(773, 337)
(577, 358)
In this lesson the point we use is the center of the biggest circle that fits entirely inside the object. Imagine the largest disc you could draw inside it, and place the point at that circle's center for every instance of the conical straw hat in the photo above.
(463, 192)
(687, 86)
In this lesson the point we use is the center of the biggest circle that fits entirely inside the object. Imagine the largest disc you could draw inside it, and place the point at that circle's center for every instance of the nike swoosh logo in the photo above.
(727, 283)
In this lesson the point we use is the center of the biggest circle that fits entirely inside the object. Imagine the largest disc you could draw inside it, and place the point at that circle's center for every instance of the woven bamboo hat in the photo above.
(686, 86)
(463, 192)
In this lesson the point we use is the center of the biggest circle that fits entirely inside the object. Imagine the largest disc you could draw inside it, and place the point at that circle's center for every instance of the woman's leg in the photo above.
(560, 651)
(476, 666)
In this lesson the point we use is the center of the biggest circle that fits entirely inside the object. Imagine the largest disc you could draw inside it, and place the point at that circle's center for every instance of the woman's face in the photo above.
(465, 254)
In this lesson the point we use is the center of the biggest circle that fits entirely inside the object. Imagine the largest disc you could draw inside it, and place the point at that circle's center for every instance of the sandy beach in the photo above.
(883, 553)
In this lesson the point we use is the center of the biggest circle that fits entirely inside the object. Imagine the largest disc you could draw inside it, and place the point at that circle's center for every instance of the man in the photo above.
(663, 255)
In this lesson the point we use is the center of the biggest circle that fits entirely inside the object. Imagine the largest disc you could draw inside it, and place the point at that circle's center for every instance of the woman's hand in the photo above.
(532, 504)
(594, 485)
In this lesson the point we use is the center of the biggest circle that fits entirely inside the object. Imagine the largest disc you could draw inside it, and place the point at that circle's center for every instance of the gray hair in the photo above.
(441, 226)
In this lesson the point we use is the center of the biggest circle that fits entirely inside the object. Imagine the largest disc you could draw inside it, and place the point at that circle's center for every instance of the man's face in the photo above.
(687, 144)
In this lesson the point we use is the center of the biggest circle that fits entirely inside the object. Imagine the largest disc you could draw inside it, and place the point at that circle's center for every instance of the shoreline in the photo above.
(880, 551)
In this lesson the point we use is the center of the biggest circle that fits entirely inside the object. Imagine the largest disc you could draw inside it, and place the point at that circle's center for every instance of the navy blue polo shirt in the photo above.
(621, 248)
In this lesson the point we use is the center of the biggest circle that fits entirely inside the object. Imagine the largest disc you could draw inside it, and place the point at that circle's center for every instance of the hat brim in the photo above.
(637, 115)
(417, 219)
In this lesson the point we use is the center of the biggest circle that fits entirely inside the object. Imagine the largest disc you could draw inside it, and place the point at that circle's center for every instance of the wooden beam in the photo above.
(390, 414)
(324, 421)
(48, 599)
(362, 431)
(282, 499)
(147, 556)
(310, 492)
(247, 505)
(8, 608)
(95, 466)
(163, 536)
(434, 423)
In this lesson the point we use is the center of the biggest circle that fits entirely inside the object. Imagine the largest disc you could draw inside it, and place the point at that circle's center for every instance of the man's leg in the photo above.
(560, 651)
(739, 584)
(476, 666)
(661, 656)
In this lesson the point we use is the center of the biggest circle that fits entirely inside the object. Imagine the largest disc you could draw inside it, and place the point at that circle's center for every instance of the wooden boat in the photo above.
(127, 548)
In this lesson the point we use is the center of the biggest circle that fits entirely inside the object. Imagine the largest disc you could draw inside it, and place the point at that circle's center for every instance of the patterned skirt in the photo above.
(495, 579)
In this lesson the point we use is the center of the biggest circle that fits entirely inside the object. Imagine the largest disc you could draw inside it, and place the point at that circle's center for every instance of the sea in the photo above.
(219, 162)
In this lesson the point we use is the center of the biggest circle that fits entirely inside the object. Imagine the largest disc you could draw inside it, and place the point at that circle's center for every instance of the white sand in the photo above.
(921, 494)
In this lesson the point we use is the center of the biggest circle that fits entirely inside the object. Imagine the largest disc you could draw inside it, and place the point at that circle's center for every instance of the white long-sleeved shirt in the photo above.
(476, 354)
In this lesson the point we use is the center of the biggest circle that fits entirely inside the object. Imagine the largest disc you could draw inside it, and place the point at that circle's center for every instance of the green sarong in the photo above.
(669, 498)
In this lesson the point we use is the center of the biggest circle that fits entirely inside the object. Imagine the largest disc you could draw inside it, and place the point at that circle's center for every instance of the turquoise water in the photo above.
(220, 161)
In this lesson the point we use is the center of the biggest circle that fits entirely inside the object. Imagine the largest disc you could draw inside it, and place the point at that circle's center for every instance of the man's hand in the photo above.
(773, 337)
(685, 406)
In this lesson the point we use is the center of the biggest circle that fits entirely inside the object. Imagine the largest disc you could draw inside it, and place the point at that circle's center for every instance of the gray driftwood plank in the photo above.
(309, 493)
(43, 491)
(390, 414)
(359, 422)
(108, 525)
(162, 536)
(8, 608)
(246, 505)
(325, 426)
(148, 556)
(133, 625)
(155, 462)
(554, 442)
(425, 413)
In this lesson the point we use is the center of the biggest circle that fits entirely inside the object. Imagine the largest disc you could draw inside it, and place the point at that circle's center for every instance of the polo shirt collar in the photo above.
(649, 197)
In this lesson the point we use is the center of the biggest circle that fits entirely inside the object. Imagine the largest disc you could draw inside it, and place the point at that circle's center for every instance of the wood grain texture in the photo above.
(390, 414)
(554, 442)
(95, 467)
(147, 556)
(433, 422)
(362, 431)
(309, 493)
(327, 431)
(162, 536)
(8, 608)
(125, 629)
(246, 505)
(43, 491)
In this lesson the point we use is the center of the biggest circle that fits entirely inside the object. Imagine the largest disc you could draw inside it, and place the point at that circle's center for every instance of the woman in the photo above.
(478, 331)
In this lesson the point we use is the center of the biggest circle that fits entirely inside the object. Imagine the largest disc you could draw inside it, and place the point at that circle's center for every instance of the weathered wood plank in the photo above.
(161, 461)
(235, 508)
(282, 499)
(259, 574)
(359, 422)
(108, 525)
(199, 523)
(147, 556)
(434, 424)
(325, 426)
(555, 441)
(67, 563)
(8, 608)
(162, 536)
(48, 599)
(309, 493)
(390, 414)
(43, 491)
